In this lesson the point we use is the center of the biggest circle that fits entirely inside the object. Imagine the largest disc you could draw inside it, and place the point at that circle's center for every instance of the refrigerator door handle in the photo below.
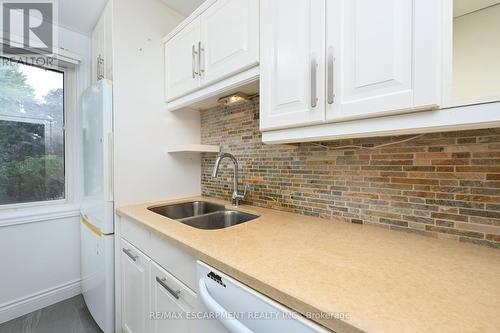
(110, 166)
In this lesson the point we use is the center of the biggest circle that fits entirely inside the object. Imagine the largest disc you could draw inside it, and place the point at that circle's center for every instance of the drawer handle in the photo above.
(129, 253)
(163, 283)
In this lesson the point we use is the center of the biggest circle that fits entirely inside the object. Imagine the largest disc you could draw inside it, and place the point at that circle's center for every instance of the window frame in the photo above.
(70, 144)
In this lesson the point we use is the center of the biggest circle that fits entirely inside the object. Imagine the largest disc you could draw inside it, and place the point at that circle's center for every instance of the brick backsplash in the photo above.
(444, 185)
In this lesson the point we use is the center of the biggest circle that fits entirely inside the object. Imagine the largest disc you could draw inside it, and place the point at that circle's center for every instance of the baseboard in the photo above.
(41, 299)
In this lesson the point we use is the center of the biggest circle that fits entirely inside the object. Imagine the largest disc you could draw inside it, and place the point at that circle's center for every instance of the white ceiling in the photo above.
(461, 7)
(185, 7)
(80, 16)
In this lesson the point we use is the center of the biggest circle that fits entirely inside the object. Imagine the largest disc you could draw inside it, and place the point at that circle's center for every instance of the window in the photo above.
(31, 133)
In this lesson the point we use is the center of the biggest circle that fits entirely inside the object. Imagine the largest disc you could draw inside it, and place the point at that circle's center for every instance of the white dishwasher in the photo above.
(229, 306)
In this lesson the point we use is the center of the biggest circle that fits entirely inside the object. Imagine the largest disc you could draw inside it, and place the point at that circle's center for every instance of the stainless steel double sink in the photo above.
(203, 214)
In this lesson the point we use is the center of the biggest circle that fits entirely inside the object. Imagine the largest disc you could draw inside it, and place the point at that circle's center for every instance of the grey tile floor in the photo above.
(68, 316)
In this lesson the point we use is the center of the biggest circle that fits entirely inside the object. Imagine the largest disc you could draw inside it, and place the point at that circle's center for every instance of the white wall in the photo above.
(476, 50)
(143, 127)
(40, 246)
(40, 264)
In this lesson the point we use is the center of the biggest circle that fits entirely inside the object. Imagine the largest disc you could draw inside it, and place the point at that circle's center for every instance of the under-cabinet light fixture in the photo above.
(238, 97)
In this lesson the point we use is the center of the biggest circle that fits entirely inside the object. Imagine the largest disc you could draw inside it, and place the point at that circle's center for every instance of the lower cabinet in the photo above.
(152, 299)
(170, 304)
(134, 289)
(165, 290)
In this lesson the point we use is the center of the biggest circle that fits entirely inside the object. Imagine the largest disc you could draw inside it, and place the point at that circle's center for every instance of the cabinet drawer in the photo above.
(174, 260)
(136, 234)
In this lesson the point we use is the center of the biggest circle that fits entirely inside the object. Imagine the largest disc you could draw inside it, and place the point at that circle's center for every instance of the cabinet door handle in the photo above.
(129, 253)
(314, 98)
(193, 61)
(200, 51)
(163, 283)
(330, 80)
(100, 67)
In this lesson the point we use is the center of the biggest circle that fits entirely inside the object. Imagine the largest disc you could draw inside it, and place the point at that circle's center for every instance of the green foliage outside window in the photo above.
(33, 179)
(31, 138)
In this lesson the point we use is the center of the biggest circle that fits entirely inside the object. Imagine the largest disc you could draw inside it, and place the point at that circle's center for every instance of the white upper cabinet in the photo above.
(373, 58)
(229, 38)
(387, 57)
(102, 46)
(182, 61)
(98, 50)
(292, 67)
(370, 56)
(219, 40)
(382, 57)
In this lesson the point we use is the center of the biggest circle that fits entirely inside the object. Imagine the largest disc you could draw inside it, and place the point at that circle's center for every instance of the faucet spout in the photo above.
(236, 197)
(215, 171)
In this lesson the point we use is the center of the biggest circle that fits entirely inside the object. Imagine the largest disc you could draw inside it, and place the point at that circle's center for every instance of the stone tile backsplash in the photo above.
(444, 185)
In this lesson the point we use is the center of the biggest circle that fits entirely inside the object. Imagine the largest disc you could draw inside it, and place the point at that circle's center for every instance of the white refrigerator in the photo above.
(97, 208)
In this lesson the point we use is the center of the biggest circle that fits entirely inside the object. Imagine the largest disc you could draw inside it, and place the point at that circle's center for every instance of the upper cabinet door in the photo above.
(292, 63)
(229, 39)
(181, 61)
(98, 49)
(376, 61)
(108, 37)
(102, 46)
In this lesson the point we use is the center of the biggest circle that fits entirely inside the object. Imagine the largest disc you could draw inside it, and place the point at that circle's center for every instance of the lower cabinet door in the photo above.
(172, 303)
(134, 289)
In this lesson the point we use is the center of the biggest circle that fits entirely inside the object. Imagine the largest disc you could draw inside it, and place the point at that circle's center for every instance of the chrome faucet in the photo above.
(236, 197)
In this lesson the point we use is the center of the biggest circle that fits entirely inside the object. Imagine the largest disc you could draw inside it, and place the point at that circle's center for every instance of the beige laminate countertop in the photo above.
(386, 281)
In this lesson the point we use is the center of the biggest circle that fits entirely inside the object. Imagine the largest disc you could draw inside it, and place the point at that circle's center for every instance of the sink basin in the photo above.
(218, 220)
(187, 209)
(203, 214)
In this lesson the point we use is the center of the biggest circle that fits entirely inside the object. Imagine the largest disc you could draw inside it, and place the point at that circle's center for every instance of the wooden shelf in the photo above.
(193, 148)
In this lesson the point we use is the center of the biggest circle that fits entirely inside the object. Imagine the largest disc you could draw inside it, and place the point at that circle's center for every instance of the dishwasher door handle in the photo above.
(232, 325)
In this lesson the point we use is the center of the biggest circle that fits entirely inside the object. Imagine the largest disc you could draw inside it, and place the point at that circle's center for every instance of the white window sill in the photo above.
(37, 213)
